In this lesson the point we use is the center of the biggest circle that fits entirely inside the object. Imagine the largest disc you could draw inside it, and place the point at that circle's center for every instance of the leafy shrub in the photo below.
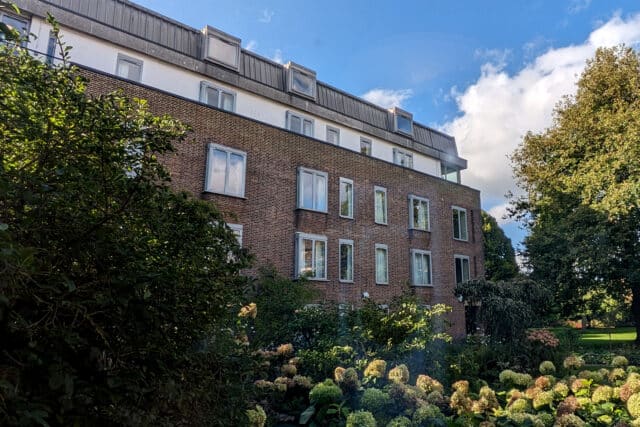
(399, 422)
(547, 368)
(619, 362)
(361, 419)
(633, 405)
(256, 417)
(376, 369)
(573, 362)
(325, 393)
(375, 401)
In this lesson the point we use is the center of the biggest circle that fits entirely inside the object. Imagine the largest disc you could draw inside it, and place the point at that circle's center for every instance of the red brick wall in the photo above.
(270, 219)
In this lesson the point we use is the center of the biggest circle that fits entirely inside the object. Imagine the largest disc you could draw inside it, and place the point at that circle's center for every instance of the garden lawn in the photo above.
(601, 337)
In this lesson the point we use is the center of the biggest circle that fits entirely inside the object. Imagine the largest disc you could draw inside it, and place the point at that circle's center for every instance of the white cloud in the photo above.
(576, 6)
(497, 57)
(251, 45)
(500, 213)
(277, 57)
(266, 16)
(499, 108)
(388, 98)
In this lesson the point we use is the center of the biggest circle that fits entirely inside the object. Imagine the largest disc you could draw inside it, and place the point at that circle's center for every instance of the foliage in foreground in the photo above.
(380, 394)
(116, 294)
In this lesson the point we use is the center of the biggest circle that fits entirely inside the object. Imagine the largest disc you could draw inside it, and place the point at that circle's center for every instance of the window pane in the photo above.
(417, 269)
(302, 83)
(306, 188)
(404, 124)
(465, 269)
(212, 96)
(381, 209)
(236, 174)
(346, 262)
(332, 136)
(456, 224)
(365, 147)
(217, 171)
(308, 127)
(223, 51)
(295, 124)
(321, 193)
(381, 265)
(459, 278)
(306, 257)
(320, 253)
(227, 101)
(463, 225)
(346, 199)
(16, 24)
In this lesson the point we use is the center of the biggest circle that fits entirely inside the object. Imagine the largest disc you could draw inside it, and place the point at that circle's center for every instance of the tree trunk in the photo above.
(635, 310)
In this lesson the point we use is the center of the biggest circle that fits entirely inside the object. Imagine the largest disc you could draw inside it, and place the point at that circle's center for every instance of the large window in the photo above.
(226, 170)
(221, 48)
(382, 264)
(301, 80)
(346, 260)
(420, 267)
(460, 224)
(380, 205)
(346, 198)
(418, 213)
(237, 230)
(299, 124)
(217, 97)
(312, 189)
(129, 68)
(462, 268)
(403, 121)
(311, 256)
(402, 158)
(450, 173)
(365, 146)
(333, 135)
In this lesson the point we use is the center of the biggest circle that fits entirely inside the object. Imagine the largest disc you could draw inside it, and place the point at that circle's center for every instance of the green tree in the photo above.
(118, 296)
(499, 256)
(582, 181)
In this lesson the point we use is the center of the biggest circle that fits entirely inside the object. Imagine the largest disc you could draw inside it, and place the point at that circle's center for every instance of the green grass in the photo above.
(601, 337)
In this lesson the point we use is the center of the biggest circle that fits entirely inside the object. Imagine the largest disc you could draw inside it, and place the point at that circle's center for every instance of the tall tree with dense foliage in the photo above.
(117, 295)
(499, 256)
(582, 180)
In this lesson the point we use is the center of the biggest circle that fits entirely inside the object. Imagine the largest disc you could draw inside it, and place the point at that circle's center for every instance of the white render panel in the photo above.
(100, 55)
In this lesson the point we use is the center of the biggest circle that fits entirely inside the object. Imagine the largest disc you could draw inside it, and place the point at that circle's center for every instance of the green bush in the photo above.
(325, 393)
(361, 419)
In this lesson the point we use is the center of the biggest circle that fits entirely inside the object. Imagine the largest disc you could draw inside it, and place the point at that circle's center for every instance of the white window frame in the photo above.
(412, 222)
(237, 230)
(366, 142)
(303, 119)
(204, 96)
(385, 281)
(385, 220)
(421, 253)
(351, 199)
(397, 112)
(210, 149)
(345, 242)
(403, 158)
(300, 237)
(463, 237)
(461, 259)
(336, 131)
(224, 38)
(315, 173)
(294, 69)
(131, 60)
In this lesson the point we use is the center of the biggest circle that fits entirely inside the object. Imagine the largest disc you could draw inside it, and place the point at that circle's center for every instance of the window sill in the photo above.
(345, 217)
(317, 280)
(424, 230)
(224, 194)
(349, 282)
(311, 210)
(422, 286)
(461, 240)
(382, 284)
(381, 223)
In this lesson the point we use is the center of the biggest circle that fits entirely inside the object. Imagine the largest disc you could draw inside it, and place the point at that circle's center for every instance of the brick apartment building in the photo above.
(362, 200)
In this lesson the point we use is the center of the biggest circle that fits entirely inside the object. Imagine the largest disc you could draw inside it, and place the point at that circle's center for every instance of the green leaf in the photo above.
(307, 414)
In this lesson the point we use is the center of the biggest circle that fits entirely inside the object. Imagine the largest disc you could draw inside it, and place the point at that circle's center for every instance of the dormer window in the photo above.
(403, 121)
(221, 48)
(301, 80)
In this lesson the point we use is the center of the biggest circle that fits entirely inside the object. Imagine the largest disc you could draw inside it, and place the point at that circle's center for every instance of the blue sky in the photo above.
(483, 71)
